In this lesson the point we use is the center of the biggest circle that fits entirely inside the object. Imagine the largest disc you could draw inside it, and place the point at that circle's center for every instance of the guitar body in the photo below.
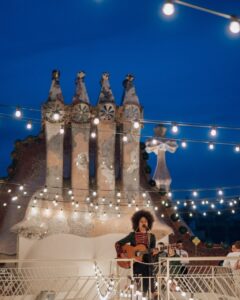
(132, 252)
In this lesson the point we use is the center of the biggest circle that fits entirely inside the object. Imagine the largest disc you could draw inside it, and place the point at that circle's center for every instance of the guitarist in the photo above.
(142, 222)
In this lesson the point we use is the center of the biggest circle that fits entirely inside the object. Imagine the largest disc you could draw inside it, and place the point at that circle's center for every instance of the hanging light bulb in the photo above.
(9, 191)
(168, 8)
(18, 113)
(190, 215)
(62, 129)
(184, 144)
(169, 194)
(29, 125)
(162, 215)
(19, 206)
(211, 146)
(220, 192)
(21, 188)
(204, 214)
(118, 194)
(45, 189)
(213, 131)
(70, 192)
(154, 141)
(237, 148)
(94, 193)
(144, 194)
(174, 128)
(96, 121)
(125, 138)
(195, 193)
(234, 26)
(56, 116)
(93, 134)
(219, 213)
(221, 201)
(136, 124)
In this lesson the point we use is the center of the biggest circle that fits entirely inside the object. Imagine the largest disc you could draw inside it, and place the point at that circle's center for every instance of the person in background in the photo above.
(182, 253)
(233, 264)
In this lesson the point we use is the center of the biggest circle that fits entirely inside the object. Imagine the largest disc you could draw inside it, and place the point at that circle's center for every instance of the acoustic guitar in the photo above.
(132, 252)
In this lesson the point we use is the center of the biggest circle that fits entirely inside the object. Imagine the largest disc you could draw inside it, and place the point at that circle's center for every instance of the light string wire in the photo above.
(211, 141)
(59, 205)
(206, 10)
(143, 121)
(41, 187)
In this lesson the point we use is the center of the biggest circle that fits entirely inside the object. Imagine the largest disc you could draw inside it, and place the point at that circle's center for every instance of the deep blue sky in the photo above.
(186, 69)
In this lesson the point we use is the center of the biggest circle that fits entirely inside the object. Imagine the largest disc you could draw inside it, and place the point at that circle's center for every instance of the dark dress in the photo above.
(139, 269)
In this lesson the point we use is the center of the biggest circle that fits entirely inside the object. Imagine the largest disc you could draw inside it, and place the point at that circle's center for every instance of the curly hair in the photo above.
(140, 214)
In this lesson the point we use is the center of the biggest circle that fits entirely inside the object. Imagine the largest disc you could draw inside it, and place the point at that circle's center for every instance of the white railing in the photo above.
(200, 279)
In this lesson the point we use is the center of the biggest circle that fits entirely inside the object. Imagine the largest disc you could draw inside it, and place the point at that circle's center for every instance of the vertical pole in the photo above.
(168, 277)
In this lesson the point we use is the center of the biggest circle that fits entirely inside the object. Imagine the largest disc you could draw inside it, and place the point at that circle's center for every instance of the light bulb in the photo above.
(93, 134)
(213, 131)
(96, 121)
(4, 204)
(62, 129)
(195, 193)
(219, 213)
(184, 144)
(221, 201)
(162, 215)
(18, 113)
(175, 128)
(234, 26)
(211, 146)
(29, 125)
(125, 138)
(220, 192)
(70, 192)
(168, 9)
(19, 206)
(169, 194)
(56, 116)
(237, 148)
(136, 124)
(154, 142)
(204, 214)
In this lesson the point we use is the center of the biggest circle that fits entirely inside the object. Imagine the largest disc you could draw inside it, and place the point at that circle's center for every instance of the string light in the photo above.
(168, 8)
(195, 193)
(213, 132)
(174, 128)
(18, 113)
(234, 26)
(56, 116)
(184, 144)
(136, 124)
(211, 146)
(29, 125)
(62, 129)
(96, 121)
(93, 134)
(237, 148)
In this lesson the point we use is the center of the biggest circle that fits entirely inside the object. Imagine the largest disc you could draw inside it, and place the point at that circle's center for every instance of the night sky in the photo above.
(186, 69)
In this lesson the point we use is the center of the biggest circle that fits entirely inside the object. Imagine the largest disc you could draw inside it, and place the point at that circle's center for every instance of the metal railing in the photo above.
(200, 279)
